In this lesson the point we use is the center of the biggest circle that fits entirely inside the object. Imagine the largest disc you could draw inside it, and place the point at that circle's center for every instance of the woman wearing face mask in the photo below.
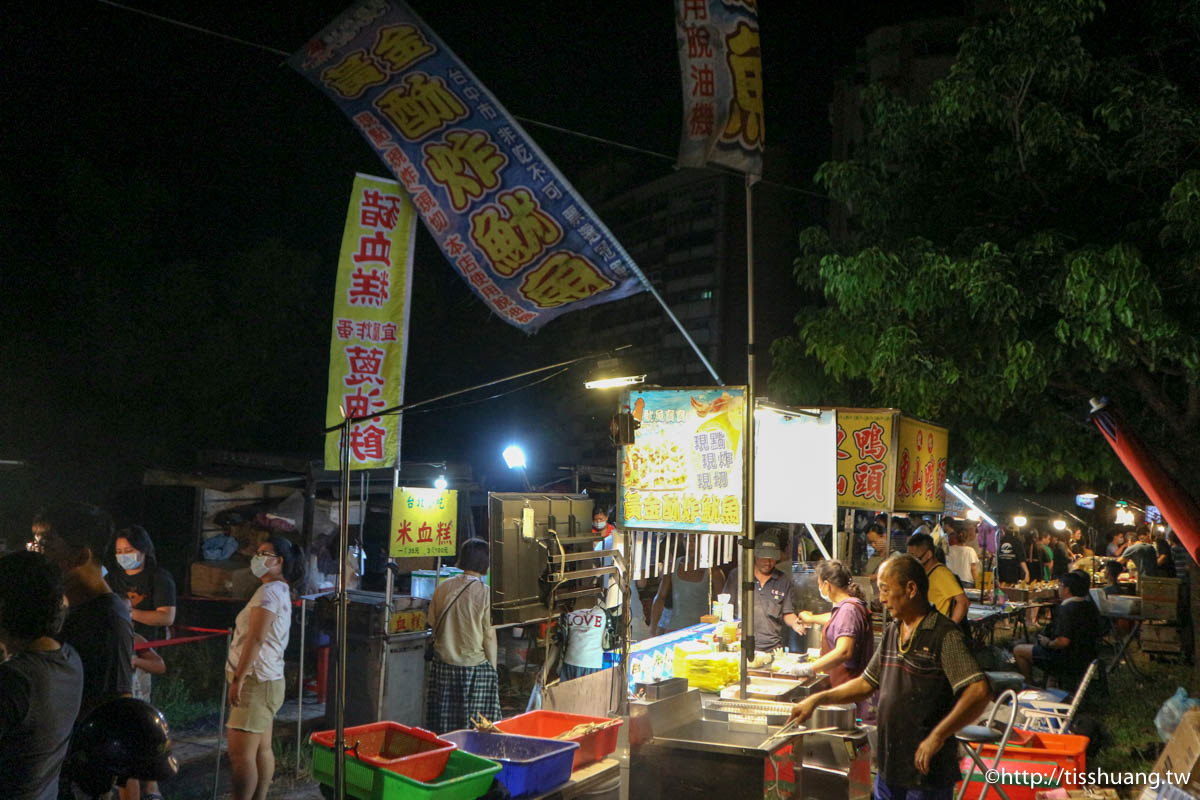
(847, 642)
(255, 666)
(134, 572)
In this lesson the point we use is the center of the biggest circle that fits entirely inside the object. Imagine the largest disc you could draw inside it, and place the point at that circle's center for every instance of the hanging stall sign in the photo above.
(370, 322)
(507, 220)
(424, 522)
(684, 472)
(795, 468)
(720, 61)
(921, 450)
(865, 459)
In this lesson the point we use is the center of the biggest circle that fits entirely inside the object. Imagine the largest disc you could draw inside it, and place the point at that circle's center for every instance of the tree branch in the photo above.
(1193, 406)
(1157, 401)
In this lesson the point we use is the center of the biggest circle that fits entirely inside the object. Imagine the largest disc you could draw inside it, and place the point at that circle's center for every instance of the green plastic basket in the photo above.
(466, 777)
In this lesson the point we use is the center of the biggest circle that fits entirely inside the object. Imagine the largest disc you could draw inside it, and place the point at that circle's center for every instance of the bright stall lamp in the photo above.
(973, 515)
(1020, 521)
(514, 457)
(611, 383)
(1124, 516)
(440, 483)
(971, 505)
(1060, 524)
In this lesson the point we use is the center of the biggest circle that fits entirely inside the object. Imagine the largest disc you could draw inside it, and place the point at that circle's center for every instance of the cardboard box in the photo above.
(1182, 753)
(1159, 590)
(1160, 639)
(223, 579)
(1156, 610)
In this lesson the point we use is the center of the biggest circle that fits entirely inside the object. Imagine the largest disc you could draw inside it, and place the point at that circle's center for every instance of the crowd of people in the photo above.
(74, 604)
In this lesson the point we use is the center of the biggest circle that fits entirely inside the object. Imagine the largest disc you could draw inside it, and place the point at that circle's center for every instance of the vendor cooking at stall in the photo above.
(847, 641)
(774, 606)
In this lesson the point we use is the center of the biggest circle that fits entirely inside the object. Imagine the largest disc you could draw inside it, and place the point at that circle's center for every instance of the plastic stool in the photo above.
(973, 737)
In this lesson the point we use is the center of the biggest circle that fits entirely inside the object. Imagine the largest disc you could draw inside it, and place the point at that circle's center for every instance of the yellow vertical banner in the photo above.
(865, 461)
(424, 522)
(921, 466)
(369, 343)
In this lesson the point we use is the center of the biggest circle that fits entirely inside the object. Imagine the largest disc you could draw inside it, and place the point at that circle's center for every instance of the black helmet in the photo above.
(120, 739)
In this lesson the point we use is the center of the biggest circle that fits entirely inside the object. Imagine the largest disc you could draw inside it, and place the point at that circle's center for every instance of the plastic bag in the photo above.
(535, 697)
(1167, 718)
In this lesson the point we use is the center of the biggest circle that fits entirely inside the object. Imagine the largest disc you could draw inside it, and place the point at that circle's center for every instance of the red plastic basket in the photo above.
(1044, 755)
(549, 724)
(412, 752)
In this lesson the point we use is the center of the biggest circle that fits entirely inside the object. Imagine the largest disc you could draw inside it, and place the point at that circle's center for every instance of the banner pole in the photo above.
(339, 698)
(748, 577)
(687, 337)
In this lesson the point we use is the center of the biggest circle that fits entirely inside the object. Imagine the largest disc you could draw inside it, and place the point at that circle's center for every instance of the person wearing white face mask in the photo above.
(847, 641)
(254, 666)
(134, 573)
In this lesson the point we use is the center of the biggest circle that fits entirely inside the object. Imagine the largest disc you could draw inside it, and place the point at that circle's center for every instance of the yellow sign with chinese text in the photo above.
(921, 466)
(865, 459)
(370, 323)
(424, 522)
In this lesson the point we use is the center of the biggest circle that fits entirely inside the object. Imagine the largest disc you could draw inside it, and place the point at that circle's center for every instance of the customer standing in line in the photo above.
(254, 666)
(41, 683)
(463, 681)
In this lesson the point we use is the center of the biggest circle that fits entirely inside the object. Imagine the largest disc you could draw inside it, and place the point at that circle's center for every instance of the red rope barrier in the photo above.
(137, 648)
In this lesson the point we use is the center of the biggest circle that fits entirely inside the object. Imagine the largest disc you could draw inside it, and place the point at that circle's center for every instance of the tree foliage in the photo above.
(1026, 237)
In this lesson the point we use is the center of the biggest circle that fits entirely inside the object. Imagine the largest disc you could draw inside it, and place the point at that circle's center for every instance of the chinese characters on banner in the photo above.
(424, 522)
(684, 473)
(502, 214)
(921, 466)
(865, 459)
(721, 65)
(370, 322)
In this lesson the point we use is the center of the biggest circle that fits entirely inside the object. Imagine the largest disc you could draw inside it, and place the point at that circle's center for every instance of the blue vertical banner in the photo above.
(721, 64)
(507, 220)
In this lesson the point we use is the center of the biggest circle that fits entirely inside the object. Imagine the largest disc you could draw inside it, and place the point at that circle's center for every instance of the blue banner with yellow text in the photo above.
(721, 64)
(504, 216)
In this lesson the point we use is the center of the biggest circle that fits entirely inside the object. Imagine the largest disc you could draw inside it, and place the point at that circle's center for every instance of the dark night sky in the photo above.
(132, 145)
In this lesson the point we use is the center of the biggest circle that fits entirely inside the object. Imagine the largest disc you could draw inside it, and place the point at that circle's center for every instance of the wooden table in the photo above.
(584, 779)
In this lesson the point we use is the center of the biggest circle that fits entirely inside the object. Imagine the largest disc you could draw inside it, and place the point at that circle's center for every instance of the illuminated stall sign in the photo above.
(684, 473)
(424, 522)
(921, 466)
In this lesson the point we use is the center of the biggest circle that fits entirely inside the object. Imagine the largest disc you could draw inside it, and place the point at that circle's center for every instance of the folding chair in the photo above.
(973, 737)
(1044, 710)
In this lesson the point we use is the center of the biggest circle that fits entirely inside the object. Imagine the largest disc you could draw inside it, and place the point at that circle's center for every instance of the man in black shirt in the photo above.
(929, 685)
(98, 625)
(1071, 644)
(1011, 566)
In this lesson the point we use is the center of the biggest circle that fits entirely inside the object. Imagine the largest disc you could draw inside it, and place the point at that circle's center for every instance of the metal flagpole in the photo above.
(748, 577)
(339, 692)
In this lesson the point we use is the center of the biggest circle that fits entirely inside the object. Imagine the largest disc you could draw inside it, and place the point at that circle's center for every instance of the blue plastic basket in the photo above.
(528, 765)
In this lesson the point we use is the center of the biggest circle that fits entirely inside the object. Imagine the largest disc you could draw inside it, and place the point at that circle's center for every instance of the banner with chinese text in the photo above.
(370, 322)
(921, 466)
(424, 522)
(684, 473)
(721, 65)
(506, 219)
(864, 458)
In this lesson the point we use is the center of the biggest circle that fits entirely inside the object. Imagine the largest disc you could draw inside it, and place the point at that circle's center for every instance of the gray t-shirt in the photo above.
(39, 700)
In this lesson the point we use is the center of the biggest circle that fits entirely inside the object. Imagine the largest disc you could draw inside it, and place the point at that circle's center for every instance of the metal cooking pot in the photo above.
(841, 717)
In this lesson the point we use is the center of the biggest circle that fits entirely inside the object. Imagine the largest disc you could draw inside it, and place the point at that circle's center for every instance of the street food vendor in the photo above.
(847, 641)
(945, 592)
(774, 606)
(929, 684)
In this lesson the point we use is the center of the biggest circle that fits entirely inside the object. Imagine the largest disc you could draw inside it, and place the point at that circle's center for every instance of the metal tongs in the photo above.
(787, 730)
